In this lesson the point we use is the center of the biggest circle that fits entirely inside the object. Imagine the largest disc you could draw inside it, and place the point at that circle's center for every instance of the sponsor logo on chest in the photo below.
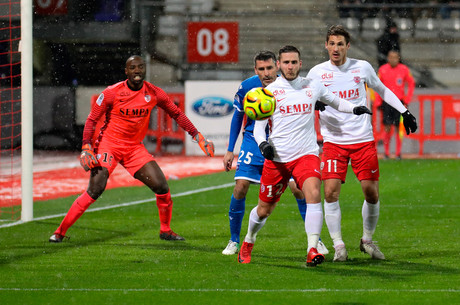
(350, 94)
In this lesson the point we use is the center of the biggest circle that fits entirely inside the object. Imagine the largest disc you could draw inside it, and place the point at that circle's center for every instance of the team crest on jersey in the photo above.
(147, 98)
(357, 79)
(309, 94)
(100, 99)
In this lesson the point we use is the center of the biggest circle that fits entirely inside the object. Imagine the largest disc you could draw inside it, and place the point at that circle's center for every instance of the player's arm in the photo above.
(164, 102)
(260, 136)
(88, 158)
(337, 103)
(235, 128)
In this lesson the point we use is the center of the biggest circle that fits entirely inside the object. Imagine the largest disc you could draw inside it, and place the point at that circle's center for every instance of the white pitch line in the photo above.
(228, 290)
(205, 189)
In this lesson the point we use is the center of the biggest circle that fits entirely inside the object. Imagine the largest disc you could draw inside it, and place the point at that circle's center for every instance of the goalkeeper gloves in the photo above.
(320, 106)
(361, 110)
(88, 158)
(267, 150)
(206, 145)
(409, 121)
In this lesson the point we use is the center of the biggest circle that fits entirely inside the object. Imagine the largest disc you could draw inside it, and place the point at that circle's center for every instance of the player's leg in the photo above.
(97, 183)
(335, 160)
(365, 165)
(299, 197)
(248, 170)
(142, 166)
(302, 205)
(387, 141)
(152, 176)
(397, 137)
(306, 172)
(257, 219)
(274, 180)
(236, 214)
(388, 119)
(370, 214)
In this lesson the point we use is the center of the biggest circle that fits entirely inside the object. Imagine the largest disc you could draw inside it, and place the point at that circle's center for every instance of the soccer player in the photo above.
(347, 137)
(127, 106)
(396, 76)
(250, 160)
(292, 150)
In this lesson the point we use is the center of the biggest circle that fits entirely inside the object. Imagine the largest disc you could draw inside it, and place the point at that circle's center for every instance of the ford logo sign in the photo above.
(213, 106)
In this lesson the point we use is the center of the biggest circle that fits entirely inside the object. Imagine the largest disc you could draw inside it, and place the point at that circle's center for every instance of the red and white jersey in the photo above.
(348, 82)
(292, 129)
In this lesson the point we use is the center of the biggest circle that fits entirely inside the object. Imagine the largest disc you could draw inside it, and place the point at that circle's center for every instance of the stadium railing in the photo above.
(438, 119)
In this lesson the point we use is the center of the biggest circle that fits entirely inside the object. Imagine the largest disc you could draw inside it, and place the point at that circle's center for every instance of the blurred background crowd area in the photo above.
(84, 44)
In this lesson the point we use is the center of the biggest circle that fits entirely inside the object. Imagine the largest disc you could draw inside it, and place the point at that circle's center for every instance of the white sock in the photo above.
(370, 214)
(255, 224)
(333, 216)
(313, 224)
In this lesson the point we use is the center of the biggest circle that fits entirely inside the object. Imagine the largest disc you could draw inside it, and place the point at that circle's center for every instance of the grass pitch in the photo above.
(114, 256)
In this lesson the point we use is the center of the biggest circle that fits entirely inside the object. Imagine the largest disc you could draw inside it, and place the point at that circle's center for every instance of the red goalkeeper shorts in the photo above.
(131, 157)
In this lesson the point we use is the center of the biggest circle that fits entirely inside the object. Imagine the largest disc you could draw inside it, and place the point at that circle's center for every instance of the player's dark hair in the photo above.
(338, 30)
(264, 55)
(288, 49)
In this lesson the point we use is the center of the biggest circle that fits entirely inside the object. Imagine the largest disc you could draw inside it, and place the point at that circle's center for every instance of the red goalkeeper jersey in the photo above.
(396, 80)
(127, 114)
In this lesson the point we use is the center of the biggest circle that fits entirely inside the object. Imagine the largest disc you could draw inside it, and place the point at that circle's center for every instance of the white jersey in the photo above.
(292, 129)
(349, 81)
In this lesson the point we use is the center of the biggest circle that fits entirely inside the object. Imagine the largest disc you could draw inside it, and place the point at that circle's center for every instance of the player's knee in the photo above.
(94, 191)
(240, 190)
(331, 195)
(239, 193)
(371, 194)
(160, 189)
(372, 198)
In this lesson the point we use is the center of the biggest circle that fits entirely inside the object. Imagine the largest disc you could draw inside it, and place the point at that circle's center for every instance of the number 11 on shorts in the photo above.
(331, 165)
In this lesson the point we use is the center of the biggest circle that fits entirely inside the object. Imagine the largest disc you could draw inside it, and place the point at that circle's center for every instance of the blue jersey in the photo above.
(246, 85)
(250, 159)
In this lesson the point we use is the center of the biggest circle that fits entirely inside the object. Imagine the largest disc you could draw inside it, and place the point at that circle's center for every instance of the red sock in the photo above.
(165, 205)
(77, 209)
(398, 145)
(386, 142)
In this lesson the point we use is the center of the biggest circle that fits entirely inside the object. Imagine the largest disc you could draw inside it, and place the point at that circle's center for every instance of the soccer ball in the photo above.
(259, 104)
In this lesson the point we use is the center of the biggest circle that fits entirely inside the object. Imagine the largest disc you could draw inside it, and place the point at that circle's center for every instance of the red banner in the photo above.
(212, 42)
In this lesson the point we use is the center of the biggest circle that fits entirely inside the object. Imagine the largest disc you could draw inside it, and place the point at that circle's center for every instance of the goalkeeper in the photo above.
(125, 109)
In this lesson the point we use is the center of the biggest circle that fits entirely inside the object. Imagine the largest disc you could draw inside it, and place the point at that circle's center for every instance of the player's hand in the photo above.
(320, 106)
(267, 150)
(206, 145)
(361, 110)
(88, 158)
(228, 160)
(409, 121)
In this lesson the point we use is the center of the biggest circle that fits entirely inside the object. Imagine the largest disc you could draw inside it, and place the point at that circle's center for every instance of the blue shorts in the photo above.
(250, 160)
